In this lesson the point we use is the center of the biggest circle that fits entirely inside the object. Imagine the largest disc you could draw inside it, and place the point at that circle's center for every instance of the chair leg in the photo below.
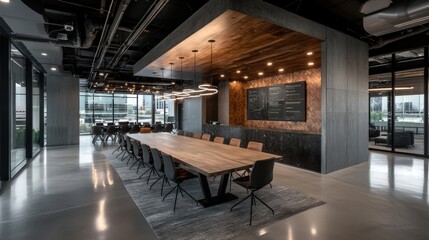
(144, 173)
(180, 187)
(129, 158)
(175, 198)
(117, 149)
(162, 185)
(264, 203)
(155, 182)
(152, 173)
(230, 181)
(165, 179)
(180, 190)
(121, 153)
(251, 208)
(240, 202)
(133, 164)
(123, 156)
(138, 167)
(169, 193)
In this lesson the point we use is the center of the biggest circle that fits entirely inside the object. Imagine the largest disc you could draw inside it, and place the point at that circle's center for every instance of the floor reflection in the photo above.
(100, 222)
(400, 174)
(102, 176)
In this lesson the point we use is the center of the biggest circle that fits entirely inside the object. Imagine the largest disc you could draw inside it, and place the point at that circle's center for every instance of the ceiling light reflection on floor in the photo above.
(313, 231)
(100, 221)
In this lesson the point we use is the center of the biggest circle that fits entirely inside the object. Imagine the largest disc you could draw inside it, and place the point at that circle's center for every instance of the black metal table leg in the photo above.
(205, 186)
(221, 195)
(222, 185)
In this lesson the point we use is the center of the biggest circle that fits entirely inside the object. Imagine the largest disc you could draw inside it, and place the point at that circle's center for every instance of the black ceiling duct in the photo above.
(399, 16)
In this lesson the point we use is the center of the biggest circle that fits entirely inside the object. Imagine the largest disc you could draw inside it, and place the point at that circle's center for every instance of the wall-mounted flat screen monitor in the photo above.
(284, 102)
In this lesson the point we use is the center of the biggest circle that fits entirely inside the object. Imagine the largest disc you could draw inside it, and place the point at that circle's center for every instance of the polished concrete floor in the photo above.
(73, 193)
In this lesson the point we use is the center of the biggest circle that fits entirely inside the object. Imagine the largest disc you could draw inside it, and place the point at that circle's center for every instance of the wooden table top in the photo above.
(208, 158)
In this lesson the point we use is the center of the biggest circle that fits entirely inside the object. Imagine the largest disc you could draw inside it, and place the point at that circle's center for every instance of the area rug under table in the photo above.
(218, 222)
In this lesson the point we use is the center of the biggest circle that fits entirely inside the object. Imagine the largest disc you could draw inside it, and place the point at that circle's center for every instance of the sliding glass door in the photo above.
(397, 103)
(409, 111)
(18, 108)
(380, 113)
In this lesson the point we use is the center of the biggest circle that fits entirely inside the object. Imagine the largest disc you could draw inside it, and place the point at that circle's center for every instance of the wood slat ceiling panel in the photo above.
(242, 43)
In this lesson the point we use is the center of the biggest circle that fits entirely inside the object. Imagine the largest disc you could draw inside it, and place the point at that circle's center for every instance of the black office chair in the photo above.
(122, 146)
(157, 128)
(124, 129)
(135, 129)
(168, 127)
(137, 155)
(148, 161)
(261, 175)
(110, 132)
(97, 132)
(128, 149)
(119, 148)
(159, 166)
(176, 175)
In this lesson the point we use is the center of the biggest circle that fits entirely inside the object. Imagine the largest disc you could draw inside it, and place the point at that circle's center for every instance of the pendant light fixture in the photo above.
(178, 95)
(204, 89)
(209, 89)
(171, 74)
(169, 95)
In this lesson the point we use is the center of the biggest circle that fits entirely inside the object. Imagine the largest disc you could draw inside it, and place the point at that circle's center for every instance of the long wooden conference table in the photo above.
(207, 158)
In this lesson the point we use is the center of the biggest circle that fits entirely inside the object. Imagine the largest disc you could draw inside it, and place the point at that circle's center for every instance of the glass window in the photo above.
(159, 110)
(86, 105)
(145, 109)
(409, 106)
(18, 108)
(36, 112)
(45, 112)
(169, 111)
(409, 111)
(125, 107)
(103, 107)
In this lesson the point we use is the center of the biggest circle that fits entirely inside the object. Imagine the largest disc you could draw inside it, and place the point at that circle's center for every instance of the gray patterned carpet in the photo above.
(195, 222)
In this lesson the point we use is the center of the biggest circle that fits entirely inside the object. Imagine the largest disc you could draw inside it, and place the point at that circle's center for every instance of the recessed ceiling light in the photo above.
(310, 63)
(101, 74)
(44, 54)
(260, 73)
(222, 75)
(245, 77)
(5, 1)
(53, 69)
(309, 53)
(269, 63)
(281, 70)
(238, 71)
